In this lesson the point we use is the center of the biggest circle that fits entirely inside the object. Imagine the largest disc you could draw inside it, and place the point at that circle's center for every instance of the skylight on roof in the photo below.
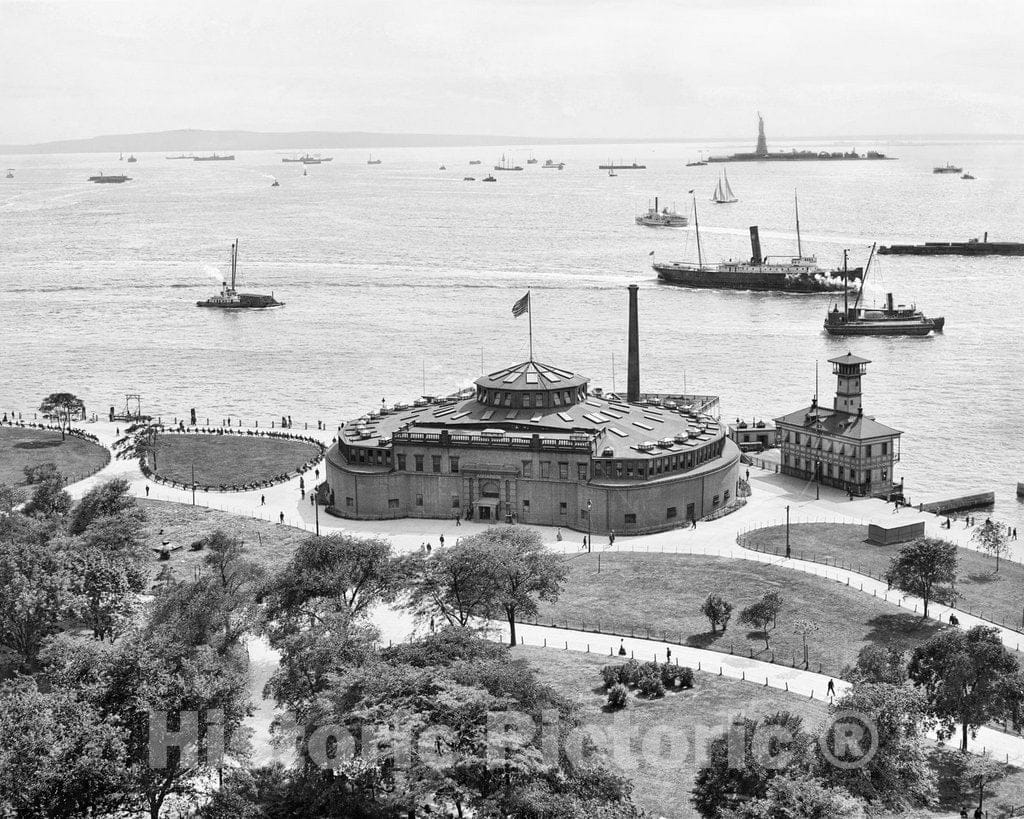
(531, 378)
(642, 426)
(512, 377)
(619, 432)
(565, 417)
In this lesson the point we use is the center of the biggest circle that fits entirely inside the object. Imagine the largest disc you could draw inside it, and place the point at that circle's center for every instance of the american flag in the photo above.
(521, 306)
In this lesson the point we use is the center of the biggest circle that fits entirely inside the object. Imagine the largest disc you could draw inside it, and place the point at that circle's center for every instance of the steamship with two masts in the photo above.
(799, 274)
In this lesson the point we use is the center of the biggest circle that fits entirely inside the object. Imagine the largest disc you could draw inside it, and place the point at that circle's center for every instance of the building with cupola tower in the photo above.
(534, 443)
(841, 446)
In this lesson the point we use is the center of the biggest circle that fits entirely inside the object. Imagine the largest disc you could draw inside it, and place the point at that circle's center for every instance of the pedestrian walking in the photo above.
(668, 655)
(263, 500)
(431, 625)
(282, 517)
(693, 523)
(428, 548)
(831, 690)
(622, 648)
(558, 534)
(302, 492)
(748, 475)
(458, 521)
(954, 620)
(611, 538)
(584, 541)
(440, 540)
(147, 490)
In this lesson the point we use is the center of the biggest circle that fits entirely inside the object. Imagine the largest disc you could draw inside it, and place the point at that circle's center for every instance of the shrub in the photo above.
(673, 676)
(618, 695)
(611, 675)
(629, 673)
(650, 684)
(717, 610)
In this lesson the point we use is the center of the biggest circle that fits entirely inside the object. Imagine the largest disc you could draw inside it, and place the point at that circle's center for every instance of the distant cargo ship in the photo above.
(230, 299)
(613, 167)
(799, 274)
(969, 248)
(214, 158)
(947, 168)
(307, 159)
(761, 153)
(112, 178)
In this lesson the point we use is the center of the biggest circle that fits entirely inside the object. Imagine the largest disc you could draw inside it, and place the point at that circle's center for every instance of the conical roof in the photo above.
(531, 376)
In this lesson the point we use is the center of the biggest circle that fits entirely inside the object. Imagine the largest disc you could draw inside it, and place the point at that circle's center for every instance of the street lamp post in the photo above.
(193, 484)
(787, 532)
(590, 526)
(316, 512)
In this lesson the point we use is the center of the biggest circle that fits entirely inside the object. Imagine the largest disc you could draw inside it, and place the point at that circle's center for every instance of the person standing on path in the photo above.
(831, 690)
(622, 648)
(440, 540)
(282, 517)
(668, 655)
(458, 521)
(428, 548)
(147, 490)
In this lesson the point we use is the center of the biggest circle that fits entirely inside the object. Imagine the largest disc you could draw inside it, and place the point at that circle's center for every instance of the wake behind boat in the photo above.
(230, 299)
(663, 218)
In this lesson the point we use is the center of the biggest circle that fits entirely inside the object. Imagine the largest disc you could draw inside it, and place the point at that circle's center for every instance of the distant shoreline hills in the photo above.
(197, 141)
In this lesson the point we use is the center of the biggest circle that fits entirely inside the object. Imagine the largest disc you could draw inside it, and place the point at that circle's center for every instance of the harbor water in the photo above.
(398, 280)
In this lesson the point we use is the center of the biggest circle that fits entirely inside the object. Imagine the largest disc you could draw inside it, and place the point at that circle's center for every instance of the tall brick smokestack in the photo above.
(633, 370)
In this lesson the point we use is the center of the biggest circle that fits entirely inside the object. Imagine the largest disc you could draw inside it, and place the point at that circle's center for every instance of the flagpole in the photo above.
(529, 312)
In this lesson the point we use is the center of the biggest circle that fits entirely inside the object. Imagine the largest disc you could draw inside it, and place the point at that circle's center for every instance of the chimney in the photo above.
(633, 370)
(888, 302)
(656, 206)
(755, 246)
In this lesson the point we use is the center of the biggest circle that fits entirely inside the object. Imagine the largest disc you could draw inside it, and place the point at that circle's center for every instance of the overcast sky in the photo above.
(643, 68)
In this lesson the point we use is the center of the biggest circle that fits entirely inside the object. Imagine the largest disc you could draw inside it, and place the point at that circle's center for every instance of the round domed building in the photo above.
(534, 444)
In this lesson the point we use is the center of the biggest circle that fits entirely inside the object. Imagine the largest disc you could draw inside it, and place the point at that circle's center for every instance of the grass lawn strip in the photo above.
(997, 596)
(74, 457)
(269, 544)
(659, 597)
(229, 459)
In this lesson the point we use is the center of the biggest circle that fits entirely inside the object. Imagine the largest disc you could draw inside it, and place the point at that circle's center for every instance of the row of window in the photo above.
(807, 465)
(502, 398)
(563, 470)
(377, 456)
(810, 440)
(653, 467)
(435, 463)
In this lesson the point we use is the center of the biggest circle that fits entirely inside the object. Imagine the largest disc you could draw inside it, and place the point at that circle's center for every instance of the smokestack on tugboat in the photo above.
(633, 369)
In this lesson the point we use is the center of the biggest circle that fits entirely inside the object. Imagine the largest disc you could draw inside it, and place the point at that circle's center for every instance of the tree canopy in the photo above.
(924, 568)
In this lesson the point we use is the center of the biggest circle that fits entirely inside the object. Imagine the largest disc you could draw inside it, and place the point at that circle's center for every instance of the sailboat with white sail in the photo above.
(723, 192)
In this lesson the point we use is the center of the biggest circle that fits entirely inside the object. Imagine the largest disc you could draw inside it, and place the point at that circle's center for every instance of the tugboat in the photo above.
(230, 299)
(469, 179)
(442, 168)
(110, 178)
(947, 168)
(699, 163)
(475, 162)
(372, 161)
(799, 274)
(662, 218)
(967, 175)
(489, 178)
(551, 164)
(275, 184)
(891, 320)
(531, 160)
(10, 173)
(132, 158)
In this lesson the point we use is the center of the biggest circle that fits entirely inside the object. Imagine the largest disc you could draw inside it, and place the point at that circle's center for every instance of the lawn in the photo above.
(660, 744)
(74, 457)
(229, 459)
(659, 596)
(996, 595)
(687, 719)
(269, 544)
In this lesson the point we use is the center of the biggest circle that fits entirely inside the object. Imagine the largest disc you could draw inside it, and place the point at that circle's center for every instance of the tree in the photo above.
(64, 407)
(334, 573)
(8, 499)
(991, 538)
(769, 747)
(58, 756)
(108, 500)
(774, 601)
(968, 678)
(890, 767)
(520, 570)
(799, 796)
(107, 585)
(759, 615)
(717, 610)
(139, 443)
(36, 597)
(48, 497)
(805, 628)
(981, 770)
(922, 568)
(880, 664)
(454, 583)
